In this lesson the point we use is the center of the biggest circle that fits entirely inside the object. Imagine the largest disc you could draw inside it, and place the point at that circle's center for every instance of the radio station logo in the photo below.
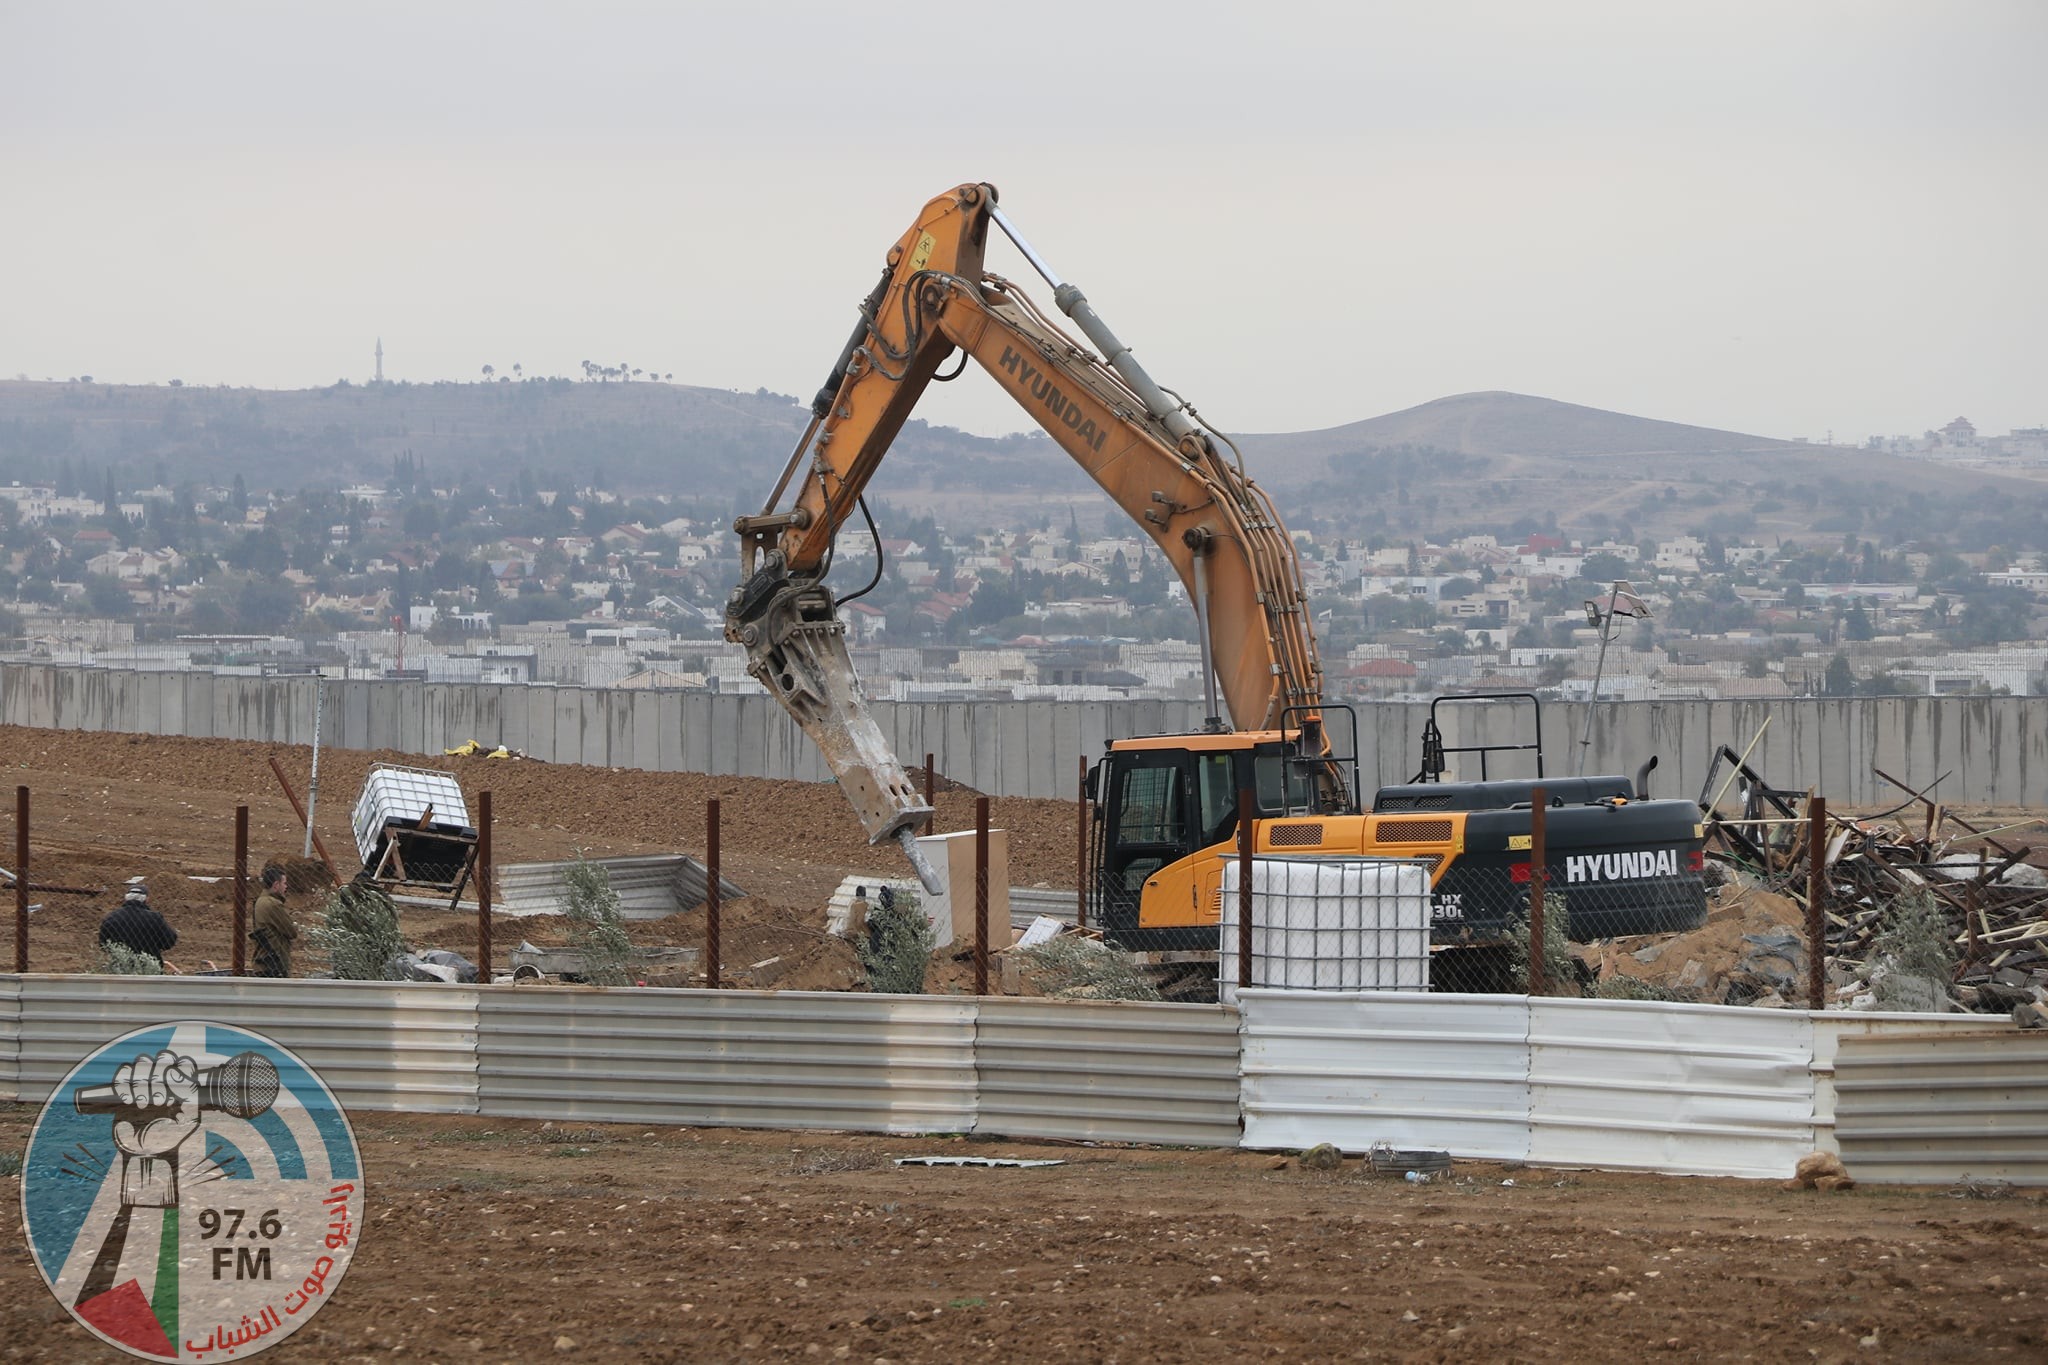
(192, 1191)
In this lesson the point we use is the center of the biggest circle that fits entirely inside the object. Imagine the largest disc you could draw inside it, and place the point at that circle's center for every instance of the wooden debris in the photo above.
(1994, 899)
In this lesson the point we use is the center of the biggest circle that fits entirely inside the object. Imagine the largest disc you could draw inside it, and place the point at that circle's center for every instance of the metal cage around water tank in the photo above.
(412, 828)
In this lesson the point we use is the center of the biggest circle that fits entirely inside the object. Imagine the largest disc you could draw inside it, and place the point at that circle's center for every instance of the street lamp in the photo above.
(1621, 601)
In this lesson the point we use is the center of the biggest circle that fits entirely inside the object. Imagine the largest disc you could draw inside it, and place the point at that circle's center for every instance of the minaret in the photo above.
(380, 360)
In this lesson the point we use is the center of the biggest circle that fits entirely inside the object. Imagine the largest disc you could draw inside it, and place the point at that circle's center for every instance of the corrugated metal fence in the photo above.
(1682, 1089)
(1917, 1107)
(1445, 1072)
(377, 1045)
(1622, 1085)
(10, 1036)
(865, 1063)
(1656, 1087)
(892, 1064)
(1107, 1071)
(1831, 1029)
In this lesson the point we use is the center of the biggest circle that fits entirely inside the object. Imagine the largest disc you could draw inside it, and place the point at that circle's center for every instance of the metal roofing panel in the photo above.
(1923, 1107)
(1437, 1072)
(1029, 902)
(377, 1045)
(1682, 1089)
(874, 1063)
(1113, 1071)
(648, 887)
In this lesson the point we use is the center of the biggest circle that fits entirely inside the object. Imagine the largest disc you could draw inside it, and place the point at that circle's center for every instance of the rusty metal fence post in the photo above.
(1081, 847)
(1816, 897)
(711, 894)
(1539, 974)
(238, 956)
(300, 811)
(981, 895)
(1244, 888)
(483, 889)
(21, 879)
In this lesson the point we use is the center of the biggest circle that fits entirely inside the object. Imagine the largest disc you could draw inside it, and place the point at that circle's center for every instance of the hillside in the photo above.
(1470, 462)
(644, 436)
(1481, 458)
(1519, 428)
(1503, 424)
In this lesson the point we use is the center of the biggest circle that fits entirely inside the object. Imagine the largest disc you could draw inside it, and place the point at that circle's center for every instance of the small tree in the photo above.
(359, 933)
(118, 959)
(1075, 967)
(898, 948)
(1557, 959)
(592, 909)
(1839, 680)
(1915, 946)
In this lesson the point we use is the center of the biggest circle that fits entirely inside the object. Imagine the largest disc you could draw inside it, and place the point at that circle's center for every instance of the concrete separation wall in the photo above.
(1994, 750)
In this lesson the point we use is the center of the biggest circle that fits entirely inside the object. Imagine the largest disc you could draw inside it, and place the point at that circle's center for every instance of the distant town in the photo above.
(587, 586)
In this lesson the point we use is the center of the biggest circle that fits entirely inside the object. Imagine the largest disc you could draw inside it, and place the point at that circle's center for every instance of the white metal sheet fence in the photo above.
(1626, 1085)
(376, 1045)
(1107, 1071)
(1663, 1087)
(1447, 1072)
(1925, 1107)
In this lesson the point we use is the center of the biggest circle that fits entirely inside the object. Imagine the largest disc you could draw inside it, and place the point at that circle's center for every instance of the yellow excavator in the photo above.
(1166, 806)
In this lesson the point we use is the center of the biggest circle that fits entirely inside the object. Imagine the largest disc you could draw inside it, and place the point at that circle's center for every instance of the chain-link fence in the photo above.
(1482, 923)
(1906, 920)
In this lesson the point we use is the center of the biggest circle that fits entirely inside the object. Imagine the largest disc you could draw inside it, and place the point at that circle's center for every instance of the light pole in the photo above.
(1621, 601)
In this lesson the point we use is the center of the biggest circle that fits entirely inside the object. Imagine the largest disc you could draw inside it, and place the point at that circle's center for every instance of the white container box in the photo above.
(405, 794)
(1330, 924)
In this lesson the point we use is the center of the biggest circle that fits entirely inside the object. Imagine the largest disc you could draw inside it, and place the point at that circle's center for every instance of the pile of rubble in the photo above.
(1971, 878)
(1751, 951)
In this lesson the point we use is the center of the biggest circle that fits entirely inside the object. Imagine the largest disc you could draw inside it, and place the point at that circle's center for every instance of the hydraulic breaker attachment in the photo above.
(796, 647)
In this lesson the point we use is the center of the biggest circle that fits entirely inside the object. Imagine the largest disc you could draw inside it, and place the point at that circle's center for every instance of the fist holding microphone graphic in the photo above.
(157, 1102)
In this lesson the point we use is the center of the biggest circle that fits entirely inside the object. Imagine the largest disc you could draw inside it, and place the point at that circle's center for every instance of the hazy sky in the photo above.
(1781, 217)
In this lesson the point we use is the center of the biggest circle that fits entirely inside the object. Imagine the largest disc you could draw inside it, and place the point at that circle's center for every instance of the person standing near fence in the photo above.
(136, 926)
(271, 930)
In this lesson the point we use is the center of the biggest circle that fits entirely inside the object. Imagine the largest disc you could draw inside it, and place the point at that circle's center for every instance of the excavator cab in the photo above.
(1166, 813)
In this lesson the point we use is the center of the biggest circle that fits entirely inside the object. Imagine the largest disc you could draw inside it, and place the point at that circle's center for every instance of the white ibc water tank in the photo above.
(1331, 924)
(405, 795)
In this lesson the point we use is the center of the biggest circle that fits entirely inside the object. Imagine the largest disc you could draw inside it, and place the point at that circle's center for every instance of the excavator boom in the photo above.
(1147, 451)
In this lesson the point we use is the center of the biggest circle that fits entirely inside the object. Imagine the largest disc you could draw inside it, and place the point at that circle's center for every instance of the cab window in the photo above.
(1282, 788)
(1216, 790)
(1153, 809)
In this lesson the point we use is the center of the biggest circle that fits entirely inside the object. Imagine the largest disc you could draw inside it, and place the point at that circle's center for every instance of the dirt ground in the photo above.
(495, 1239)
(106, 807)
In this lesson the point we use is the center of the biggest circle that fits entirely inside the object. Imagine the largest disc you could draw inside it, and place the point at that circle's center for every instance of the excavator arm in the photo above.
(1215, 526)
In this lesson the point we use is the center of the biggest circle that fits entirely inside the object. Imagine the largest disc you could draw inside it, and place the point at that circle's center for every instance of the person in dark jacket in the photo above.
(136, 925)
